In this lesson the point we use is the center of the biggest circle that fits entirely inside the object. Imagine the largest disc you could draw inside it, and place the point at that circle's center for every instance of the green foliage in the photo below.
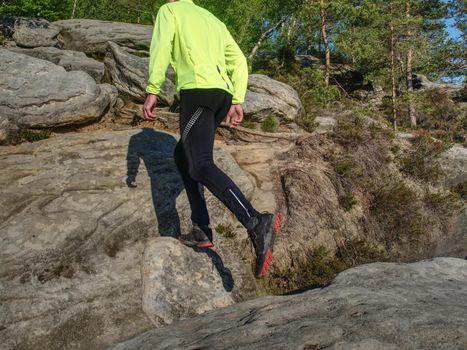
(248, 124)
(318, 269)
(51, 10)
(461, 190)
(350, 131)
(346, 167)
(226, 231)
(420, 162)
(445, 203)
(31, 135)
(307, 121)
(269, 124)
(309, 82)
(439, 114)
(348, 201)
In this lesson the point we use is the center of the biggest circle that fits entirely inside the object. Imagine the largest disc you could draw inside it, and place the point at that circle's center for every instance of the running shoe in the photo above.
(263, 230)
(199, 237)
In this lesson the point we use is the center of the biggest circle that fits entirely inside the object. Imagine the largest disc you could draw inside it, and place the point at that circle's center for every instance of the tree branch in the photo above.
(264, 36)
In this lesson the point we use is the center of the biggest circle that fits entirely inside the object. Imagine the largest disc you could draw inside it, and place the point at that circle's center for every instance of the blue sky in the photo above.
(452, 30)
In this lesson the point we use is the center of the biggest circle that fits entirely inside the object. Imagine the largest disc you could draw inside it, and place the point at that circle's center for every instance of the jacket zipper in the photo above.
(225, 81)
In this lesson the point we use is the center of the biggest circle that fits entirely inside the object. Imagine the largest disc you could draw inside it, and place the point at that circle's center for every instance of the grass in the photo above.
(348, 201)
(248, 124)
(31, 135)
(345, 166)
(226, 231)
(446, 203)
(307, 121)
(269, 124)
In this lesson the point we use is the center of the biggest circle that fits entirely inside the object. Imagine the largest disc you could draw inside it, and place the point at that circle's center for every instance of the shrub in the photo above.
(444, 203)
(460, 189)
(357, 251)
(350, 131)
(345, 166)
(309, 83)
(269, 124)
(397, 210)
(421, 161)
(435, 111)
(317, 270)
(307, 121)
(348, 201)
(31, 135)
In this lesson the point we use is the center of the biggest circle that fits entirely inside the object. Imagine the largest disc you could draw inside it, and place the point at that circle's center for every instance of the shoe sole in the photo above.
(268, 260)
(203, 245)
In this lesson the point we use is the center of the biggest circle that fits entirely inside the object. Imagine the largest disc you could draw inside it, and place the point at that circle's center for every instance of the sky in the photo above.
(454, 33)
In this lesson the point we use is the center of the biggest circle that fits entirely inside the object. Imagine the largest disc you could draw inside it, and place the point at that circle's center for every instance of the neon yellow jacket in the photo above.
(200, 49)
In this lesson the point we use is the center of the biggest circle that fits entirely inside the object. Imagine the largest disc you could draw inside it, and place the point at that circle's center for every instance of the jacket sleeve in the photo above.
(237, 68)
(161, 49)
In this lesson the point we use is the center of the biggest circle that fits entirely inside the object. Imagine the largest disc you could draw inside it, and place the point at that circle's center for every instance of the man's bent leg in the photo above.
(198, 143)
(194, 190)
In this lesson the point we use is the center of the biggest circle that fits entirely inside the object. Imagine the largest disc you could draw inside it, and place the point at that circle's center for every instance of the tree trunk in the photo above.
(74, 9)
(412, 116)
(393, 79)
(264, 36)
(138, 6)
(326, 43)
(290, 31)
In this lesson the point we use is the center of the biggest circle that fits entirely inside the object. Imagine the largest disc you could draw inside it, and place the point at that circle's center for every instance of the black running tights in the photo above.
(201, 112)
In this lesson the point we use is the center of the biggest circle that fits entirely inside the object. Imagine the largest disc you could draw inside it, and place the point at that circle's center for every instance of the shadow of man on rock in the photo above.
(156, 150)
(224, 272)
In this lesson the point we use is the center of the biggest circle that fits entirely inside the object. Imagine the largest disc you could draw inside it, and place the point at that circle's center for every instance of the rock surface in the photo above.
(72, 235)
(38, 94)
(70, 60)
(454, 163)
(267, 96)
(179, 282)
(326, 124)
(30, 32)
(129, 74)
(379, 306)
(91, 36)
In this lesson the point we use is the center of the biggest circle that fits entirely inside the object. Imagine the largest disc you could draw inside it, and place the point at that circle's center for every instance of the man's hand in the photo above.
(235, 115)
(148, 108)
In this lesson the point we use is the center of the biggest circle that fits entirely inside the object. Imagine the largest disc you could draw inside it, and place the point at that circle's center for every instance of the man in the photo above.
(212, 75)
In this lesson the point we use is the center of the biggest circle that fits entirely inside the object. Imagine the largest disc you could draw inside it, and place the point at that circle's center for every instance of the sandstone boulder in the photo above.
(73, 232)
(70, 60)
(379, 306)
(91, 36)
(269, 97)
(454, 164)
(29, 32)
(129, 73)
(179, 282)
(38, 94)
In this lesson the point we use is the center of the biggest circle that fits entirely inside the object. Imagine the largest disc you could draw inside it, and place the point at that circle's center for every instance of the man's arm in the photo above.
(161, 49)
(237, 68)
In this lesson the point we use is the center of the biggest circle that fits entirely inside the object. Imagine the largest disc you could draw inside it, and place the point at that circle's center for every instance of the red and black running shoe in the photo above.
(199, 237)
(263, 230)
